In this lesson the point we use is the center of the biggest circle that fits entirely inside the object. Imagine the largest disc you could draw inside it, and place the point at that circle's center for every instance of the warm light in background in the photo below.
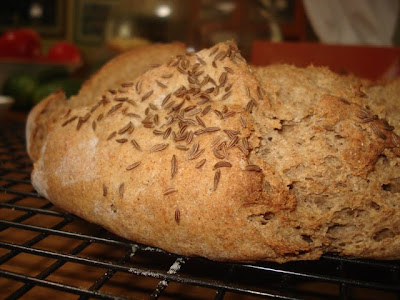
(36, 11)
(163, 10)
(124, 30)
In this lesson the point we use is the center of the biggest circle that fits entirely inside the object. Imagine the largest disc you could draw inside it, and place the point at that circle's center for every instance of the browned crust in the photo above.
(127, 65)
(38, 121)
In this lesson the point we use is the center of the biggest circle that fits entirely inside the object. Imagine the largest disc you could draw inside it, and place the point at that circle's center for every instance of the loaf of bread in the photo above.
(206, 156)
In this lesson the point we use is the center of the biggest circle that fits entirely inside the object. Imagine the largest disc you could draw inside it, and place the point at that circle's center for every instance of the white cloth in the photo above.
(368, 22)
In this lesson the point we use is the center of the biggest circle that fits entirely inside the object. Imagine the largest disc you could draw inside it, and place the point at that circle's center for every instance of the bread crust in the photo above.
(40, 120)
(129, 64)
(281, 180)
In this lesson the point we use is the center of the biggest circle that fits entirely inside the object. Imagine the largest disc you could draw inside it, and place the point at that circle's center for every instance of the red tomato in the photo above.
(5, 49)
(21, 43)
(65, 52)
(30, 33)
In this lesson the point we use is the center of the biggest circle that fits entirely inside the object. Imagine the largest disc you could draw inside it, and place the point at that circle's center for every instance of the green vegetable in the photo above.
(20, 87)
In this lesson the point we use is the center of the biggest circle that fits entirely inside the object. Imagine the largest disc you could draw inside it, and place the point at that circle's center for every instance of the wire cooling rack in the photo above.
(46, 253)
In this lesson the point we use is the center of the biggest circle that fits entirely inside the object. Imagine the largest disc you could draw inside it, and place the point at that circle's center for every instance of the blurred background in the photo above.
(50, 44)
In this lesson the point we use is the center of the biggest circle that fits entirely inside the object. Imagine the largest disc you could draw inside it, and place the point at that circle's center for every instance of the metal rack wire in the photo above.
(45, 252)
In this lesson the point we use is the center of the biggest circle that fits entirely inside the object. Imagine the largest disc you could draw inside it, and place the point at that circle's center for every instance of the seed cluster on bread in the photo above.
(178, 116)
(205, 156)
